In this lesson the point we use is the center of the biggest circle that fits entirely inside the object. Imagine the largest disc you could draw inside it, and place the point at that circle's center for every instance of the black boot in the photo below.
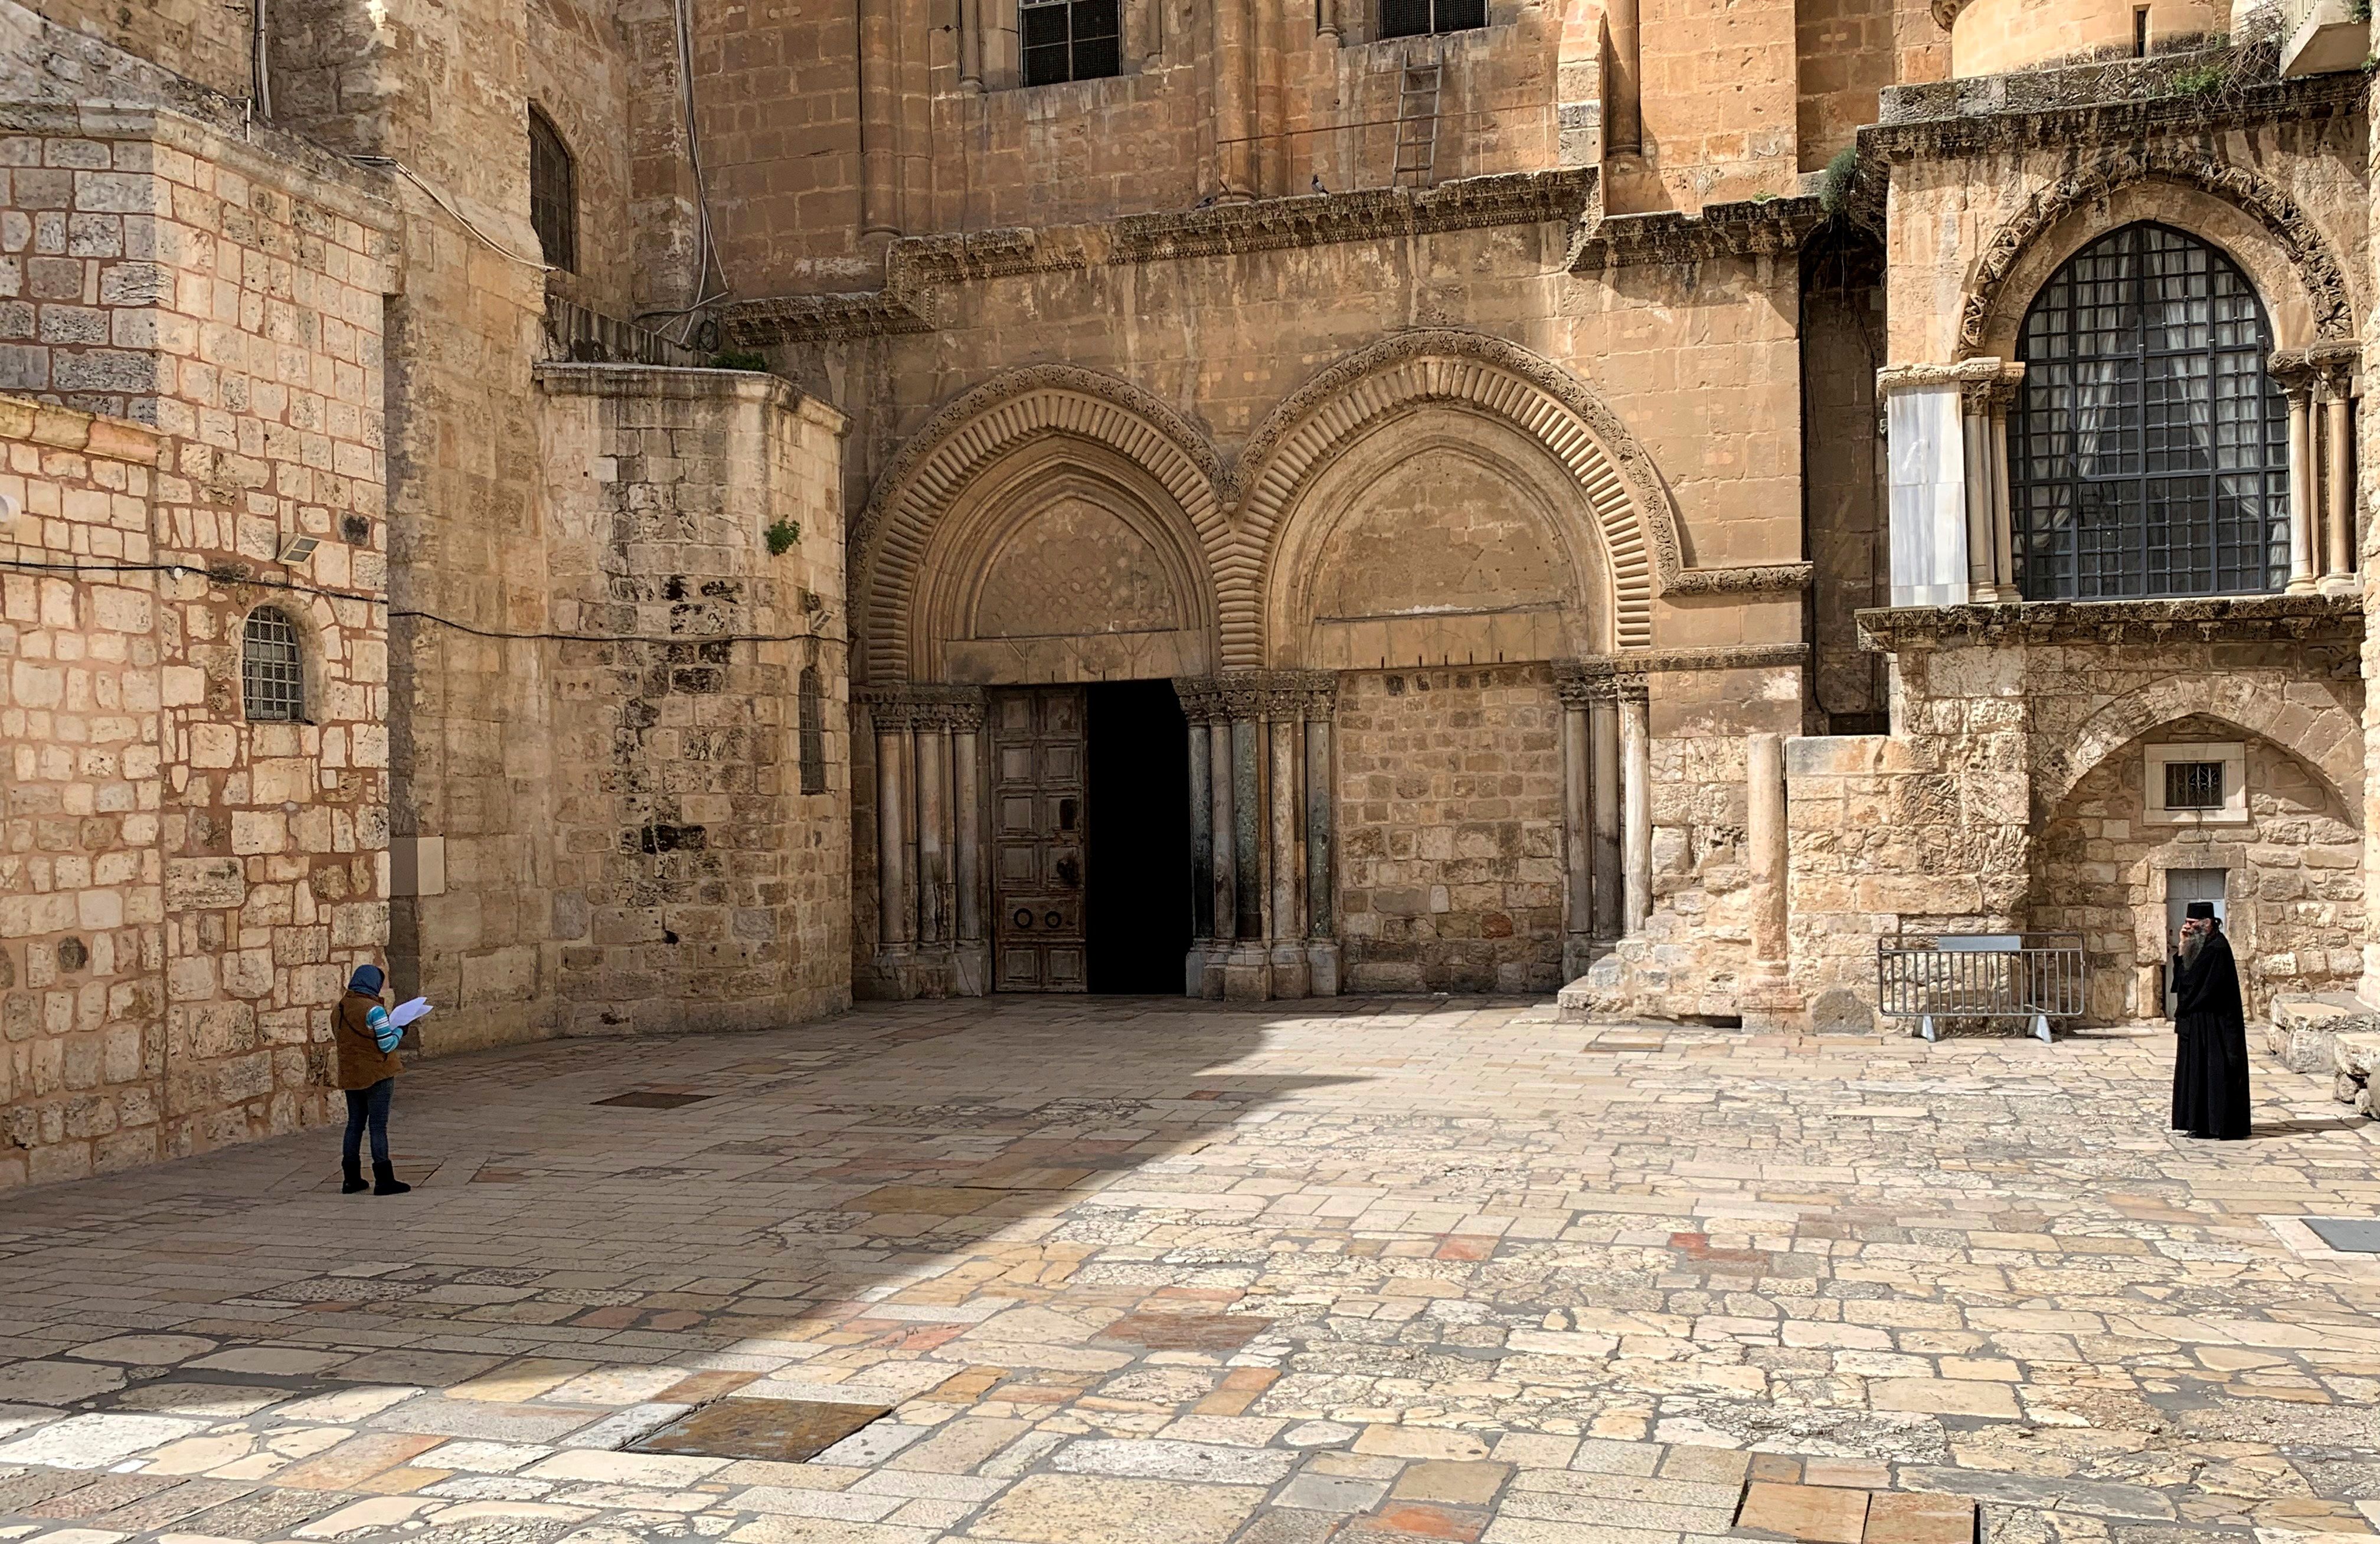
(355, 1167)
(385, 1181)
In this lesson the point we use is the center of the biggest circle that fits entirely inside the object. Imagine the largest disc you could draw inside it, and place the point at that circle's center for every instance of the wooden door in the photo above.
(1038, 820)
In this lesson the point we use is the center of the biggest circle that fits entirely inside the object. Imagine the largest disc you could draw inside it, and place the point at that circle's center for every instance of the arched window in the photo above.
(2148, 450)
(552, 192)
(1405, 19)
(272, 674)
(813, 732)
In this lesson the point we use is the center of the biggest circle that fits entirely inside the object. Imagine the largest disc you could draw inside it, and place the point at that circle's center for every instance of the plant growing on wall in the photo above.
(740, 358)
(783, 536)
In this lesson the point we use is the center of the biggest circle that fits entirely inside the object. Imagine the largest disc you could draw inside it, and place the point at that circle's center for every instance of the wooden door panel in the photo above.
(1039, 816)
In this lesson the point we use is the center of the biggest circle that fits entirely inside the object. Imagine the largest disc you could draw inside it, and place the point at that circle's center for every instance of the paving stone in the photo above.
(1168, 1460)
(1069, 1509)
(1330, 1493)
(1819, 1513)
(1912, 1518)
(93, 1441)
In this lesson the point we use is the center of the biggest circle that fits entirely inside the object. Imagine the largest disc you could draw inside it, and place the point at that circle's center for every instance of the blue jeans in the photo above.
(369, 1105)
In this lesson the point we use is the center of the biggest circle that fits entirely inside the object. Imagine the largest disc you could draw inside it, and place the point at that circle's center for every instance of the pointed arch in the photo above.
(1015, 409)
(2263, 229)
(2312, 721)
(1631, 508)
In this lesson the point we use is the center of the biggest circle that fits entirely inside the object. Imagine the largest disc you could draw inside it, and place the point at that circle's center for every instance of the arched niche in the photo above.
(1438, 535)
(1062, 561)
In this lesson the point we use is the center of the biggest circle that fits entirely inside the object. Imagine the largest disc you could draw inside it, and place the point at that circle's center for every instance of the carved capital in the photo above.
(1201, 702)
(1581, 682)
(922, 706)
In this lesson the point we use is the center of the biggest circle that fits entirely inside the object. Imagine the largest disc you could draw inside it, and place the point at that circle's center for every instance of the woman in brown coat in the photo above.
(366, 1049)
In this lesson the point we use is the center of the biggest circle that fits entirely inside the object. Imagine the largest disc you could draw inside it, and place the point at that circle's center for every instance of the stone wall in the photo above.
(699, 885)
(1449, 830)
(182, 891)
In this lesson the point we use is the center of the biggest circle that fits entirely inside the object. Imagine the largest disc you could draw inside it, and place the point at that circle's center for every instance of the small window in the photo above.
(1406, 18)
(272, 678)
(2194, 784)
(2139, 32)
(813, 732)
(1070, 39)
(553, 193)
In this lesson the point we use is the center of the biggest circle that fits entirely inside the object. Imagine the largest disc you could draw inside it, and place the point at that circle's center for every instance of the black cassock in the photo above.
(2210, 1062)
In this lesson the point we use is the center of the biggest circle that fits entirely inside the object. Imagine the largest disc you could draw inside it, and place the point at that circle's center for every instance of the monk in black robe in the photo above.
(2210, 1063)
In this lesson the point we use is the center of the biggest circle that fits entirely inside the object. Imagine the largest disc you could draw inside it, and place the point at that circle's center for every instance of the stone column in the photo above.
(1246, 970)
(971, 45)
(1975, 424)
(1321, 696)
(932, 747)
(1225, 896)
(2339, 474)
(1767, 997)
(974, 952)
(1625, 130)
(1235, 101)
(2003, 397)
(2301, 397)
(1284, 711)
(1578, 821)
(1636, 800)
(880, 125)
(1325, 21)
(894, 915)
(1603, 738)
(1196, 709)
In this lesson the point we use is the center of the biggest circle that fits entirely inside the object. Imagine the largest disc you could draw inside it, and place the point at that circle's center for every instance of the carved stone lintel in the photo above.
(2311, 619)
(1969, 375)
(1749, 227)
(923, 706)
(1598, 678)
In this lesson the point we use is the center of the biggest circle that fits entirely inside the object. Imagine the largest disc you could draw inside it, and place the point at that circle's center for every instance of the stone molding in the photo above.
(1966, 374)
(1278, 695)
(679, 383)
(2193, 619)
(2105, 101)
(1945, 12)
(1599, 677)
(922, 706)
(915, 266)
(2251, 192)
(934, 466)
(1749, 227)
(46, 423)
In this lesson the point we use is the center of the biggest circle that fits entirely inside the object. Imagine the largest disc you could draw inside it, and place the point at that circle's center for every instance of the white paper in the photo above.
(406, 1013)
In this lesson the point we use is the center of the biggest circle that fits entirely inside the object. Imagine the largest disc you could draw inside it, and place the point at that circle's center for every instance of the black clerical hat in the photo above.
(2200, 910)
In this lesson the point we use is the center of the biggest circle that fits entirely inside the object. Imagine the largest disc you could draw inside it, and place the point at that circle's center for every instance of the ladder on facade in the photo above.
(1417, 123)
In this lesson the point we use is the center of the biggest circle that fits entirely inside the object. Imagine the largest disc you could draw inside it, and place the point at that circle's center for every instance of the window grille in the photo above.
(813, 732)
(1406, 18)
(272, 678)
(1070, 39)
(2148, 448)
(2194, 784)
(553, 193)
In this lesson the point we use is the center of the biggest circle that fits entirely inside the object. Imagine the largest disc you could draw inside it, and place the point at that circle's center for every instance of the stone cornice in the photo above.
(2121, 102)
(1752, 227)
(1639, 663)
(2191, 619)
(916, 267)
(676, 383)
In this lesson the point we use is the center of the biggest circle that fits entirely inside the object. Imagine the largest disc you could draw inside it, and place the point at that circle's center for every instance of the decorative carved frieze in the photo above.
(1254, 694)
(2105, 101)
(1599, 677)
(2197, 619)
(1752, 227)
(919, 705)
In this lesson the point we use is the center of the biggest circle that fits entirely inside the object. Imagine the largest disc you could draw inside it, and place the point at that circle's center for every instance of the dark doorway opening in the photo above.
(1137, 868)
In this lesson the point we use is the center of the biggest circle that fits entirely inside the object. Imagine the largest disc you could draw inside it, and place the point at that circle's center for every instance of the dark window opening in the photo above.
(271, 676)
(813, 732)
(2149, 449)
(1137, 907)
(1070, 39)
(1407, 19)
(2141, 32)
(2194, 784)
(553, 193)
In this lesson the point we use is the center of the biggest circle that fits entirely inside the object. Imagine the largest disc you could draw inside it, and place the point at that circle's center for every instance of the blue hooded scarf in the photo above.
(366, 979)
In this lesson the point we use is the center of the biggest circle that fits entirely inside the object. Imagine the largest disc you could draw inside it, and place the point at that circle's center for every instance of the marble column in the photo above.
(1202, 839)
(1321, 697)
(1225, 895)
(894, 912)
(1284, 713)
(2339, 478)
(1764, 835)
(974, 951)
(1975, 424)
(1603, 785)
(1246, 970)
(2300, 393)
(1996, 441)
(1637, 801)
(932, 747)
(1578, 823)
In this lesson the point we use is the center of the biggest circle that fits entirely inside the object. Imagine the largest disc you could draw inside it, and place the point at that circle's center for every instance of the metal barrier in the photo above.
(1934, 976)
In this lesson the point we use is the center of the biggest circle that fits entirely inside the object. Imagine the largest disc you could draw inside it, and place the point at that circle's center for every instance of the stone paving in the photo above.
(1157, 1272)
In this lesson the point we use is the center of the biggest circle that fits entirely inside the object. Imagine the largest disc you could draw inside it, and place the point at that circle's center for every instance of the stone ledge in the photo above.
(2305, 1031)
(2202, 619)
(687, 384)
(2354, 1055)
(2106, 102)
(46, 423)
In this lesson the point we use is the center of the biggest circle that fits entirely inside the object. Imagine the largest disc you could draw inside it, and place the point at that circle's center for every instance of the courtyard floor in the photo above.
(1156, 1272)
